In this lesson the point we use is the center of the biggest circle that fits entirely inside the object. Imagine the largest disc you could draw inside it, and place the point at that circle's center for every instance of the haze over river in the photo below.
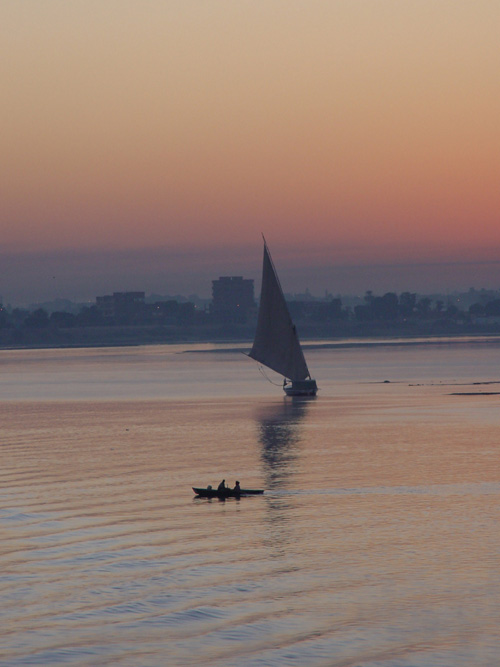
(376, 543)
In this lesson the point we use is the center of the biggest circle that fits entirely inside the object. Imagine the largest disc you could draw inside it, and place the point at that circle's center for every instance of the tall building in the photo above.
(233, 299)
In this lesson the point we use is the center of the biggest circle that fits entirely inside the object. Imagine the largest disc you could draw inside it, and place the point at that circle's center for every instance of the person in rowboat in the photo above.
(237, 488)
(222, 486)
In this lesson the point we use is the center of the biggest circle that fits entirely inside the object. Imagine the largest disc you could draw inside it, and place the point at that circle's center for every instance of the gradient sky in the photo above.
(146, 144)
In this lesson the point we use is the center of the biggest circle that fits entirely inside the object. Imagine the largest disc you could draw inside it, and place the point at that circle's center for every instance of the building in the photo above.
(233, 299)
(124, 306)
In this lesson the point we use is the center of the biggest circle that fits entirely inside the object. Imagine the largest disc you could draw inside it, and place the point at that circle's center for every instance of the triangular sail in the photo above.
(276, 343)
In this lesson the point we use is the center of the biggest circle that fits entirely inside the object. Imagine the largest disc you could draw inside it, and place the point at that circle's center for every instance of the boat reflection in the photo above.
(280, 438)
(279, 435)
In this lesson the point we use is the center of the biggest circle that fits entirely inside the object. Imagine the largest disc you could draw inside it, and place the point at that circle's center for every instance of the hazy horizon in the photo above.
(147, 145)
(80, 276)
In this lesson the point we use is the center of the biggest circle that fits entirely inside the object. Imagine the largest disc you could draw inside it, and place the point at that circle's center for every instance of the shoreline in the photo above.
(243, 345)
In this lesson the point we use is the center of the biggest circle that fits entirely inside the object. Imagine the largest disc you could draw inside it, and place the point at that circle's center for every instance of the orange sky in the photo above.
(349, 131)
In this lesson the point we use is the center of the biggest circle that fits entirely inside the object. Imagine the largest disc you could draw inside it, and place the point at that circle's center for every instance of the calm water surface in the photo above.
(375, 544)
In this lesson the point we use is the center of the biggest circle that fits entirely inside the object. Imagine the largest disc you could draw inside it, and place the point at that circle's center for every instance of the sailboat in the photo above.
(276, 343)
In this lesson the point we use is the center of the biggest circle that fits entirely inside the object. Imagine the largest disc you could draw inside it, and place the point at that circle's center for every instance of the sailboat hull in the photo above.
(301, 388)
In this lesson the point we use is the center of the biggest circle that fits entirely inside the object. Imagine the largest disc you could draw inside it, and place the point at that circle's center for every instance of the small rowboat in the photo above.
(226, 493)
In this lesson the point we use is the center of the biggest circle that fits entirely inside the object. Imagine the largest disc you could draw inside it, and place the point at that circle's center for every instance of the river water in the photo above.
(376, 542)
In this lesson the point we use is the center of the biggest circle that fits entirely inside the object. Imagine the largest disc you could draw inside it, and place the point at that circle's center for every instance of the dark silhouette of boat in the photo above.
(276, 344)
(209, 492)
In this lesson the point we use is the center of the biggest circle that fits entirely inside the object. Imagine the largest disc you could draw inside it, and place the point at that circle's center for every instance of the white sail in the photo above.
(276, 344)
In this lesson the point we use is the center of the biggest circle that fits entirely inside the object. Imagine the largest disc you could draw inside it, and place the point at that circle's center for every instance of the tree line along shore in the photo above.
(403, 315)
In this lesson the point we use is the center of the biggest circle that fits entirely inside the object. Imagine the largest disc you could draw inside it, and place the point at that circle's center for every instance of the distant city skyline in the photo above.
(147, 145)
